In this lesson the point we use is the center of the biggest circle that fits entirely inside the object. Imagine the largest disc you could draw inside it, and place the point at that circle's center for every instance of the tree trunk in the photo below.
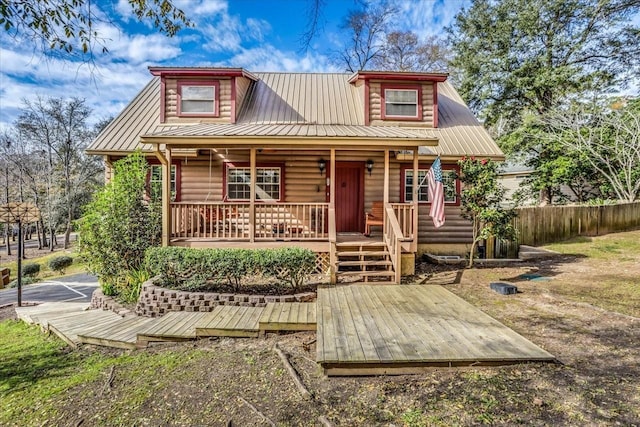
(7, 240)
(67, 232)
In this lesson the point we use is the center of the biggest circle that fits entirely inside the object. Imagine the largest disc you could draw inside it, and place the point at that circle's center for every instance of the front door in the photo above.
(349, 197)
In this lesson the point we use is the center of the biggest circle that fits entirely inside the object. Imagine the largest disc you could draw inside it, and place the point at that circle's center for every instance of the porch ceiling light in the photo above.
(322, 164)
(369, 166)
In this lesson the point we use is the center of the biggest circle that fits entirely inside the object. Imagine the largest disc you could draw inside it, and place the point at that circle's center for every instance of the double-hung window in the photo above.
(155, 182)
(448, 180)
(402, 103)
(198, 98)
(268, 183)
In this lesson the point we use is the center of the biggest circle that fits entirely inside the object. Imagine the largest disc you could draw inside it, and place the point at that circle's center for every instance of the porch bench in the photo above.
(374, 218)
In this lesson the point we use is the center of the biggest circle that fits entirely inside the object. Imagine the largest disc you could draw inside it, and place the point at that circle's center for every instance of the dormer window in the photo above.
(198, 98)
(402, 102)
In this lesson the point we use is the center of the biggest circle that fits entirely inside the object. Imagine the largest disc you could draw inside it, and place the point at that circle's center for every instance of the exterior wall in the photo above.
(171, 102)
(202, 180)
(375, 104)
(108, 169)
(242, 87)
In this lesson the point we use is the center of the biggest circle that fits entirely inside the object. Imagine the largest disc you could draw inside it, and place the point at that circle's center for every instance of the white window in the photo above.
(268, 183)
(401, 103)
(198, 99)
(448, 180)
(155, 182)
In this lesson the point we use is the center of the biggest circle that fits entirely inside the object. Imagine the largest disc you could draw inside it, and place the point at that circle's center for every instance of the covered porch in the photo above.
(320, 201)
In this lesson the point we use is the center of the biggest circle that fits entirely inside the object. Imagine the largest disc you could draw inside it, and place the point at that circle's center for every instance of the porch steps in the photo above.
(367, 261)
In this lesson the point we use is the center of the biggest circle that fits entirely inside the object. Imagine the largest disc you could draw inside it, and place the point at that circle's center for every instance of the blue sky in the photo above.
(259, 35)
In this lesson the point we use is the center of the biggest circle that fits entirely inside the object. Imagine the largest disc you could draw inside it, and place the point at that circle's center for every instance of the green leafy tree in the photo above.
(68, 26)
(520, 57)
(480, 199)
(119, 225)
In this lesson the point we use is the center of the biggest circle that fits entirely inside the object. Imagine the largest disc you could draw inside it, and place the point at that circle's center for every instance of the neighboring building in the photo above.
(264, 159)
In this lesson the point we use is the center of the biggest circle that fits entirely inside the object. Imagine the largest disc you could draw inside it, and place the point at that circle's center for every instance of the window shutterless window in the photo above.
(401, 103)
(198, 98)
(448, 180)
(268, 183)
(155, 182)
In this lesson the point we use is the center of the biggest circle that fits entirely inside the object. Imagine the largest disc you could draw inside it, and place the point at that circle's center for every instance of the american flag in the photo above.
(436, 193)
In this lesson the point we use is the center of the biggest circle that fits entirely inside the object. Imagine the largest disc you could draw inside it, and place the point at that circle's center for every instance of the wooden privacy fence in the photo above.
(541, 225)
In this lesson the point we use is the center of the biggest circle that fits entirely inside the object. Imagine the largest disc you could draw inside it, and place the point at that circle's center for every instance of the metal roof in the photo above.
(299, 105)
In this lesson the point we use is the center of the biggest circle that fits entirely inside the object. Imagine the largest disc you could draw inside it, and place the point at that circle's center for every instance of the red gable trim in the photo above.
(204, 72)
(435, 105)
(399, 75)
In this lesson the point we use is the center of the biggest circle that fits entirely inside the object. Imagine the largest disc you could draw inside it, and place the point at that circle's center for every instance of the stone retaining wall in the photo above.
(100, 300)
(155, 301)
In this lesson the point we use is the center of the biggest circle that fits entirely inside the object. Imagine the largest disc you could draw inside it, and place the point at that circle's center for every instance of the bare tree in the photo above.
(366, 27)
(610, 140)
(403, 51)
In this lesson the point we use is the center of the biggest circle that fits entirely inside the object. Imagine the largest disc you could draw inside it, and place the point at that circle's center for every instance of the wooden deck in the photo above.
(288, 316)
(368, 329)
(230, 321)
(32, 314)
(174, 326)
(68, 326)
(122, 334)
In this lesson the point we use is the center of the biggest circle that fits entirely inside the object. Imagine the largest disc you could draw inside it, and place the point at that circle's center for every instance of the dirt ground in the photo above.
(585, 311)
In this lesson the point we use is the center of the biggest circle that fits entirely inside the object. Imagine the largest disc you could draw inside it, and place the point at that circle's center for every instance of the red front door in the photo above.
(349, 197)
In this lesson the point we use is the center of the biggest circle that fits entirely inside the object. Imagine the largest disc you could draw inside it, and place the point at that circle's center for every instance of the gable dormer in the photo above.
(201, 95)
(399, 98)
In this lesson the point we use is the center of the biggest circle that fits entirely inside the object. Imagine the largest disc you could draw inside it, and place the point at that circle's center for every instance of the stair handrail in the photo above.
(393, 238)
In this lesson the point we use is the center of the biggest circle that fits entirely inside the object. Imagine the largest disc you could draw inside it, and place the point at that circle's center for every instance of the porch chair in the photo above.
(375, 217)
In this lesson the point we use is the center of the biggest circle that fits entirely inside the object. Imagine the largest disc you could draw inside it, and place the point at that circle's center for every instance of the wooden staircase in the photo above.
(364, 262)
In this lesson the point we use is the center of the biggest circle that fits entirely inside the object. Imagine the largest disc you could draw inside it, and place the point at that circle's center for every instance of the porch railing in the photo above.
(393, 237)
(231, 221)
(404, 215)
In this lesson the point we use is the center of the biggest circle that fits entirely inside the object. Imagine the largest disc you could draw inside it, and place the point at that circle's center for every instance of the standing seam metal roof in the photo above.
(300, 105)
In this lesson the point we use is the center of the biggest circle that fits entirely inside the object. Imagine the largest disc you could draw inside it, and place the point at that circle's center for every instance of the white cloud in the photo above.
(227, 33)
(268, 58)
(428, 17)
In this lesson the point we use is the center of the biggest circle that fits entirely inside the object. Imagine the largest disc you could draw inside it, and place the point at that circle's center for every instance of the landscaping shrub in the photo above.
(185, 268)
(119, 225)
(289, 265)
(59, 263)
(30, 270)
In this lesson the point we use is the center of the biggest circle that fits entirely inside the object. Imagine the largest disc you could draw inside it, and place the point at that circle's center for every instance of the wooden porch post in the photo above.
(332, 218)
(252, 197)
(416, 165)
(386, 177)
(165, 160)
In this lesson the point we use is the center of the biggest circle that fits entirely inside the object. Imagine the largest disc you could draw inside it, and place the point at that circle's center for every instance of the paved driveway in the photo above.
(77, 287)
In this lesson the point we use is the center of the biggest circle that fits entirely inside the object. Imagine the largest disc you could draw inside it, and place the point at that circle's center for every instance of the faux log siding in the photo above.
(375, 104)
(455, 229)
(242, 86)
(171, 103)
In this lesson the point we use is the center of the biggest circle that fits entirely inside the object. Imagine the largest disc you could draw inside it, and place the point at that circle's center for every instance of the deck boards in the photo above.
(121, 334)
(68, 326)
(288, 316)
(32, 314)
(173, 326)
(369, 329)
(230, 321)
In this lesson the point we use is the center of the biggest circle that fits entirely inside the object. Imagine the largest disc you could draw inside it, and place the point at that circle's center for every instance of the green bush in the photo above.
(118, 225)
(288, 265)
(59, 263)
(185, 268)
(30, 270)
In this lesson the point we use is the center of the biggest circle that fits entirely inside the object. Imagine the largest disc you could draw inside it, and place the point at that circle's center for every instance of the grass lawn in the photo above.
(585, 312)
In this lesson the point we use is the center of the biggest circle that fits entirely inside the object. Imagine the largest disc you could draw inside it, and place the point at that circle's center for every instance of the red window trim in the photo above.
(216, 97)
(405, 166)
(383, 107)
(177, 164)
(228, 165)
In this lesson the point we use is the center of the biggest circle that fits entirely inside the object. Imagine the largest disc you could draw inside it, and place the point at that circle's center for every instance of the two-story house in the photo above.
(267, 159)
